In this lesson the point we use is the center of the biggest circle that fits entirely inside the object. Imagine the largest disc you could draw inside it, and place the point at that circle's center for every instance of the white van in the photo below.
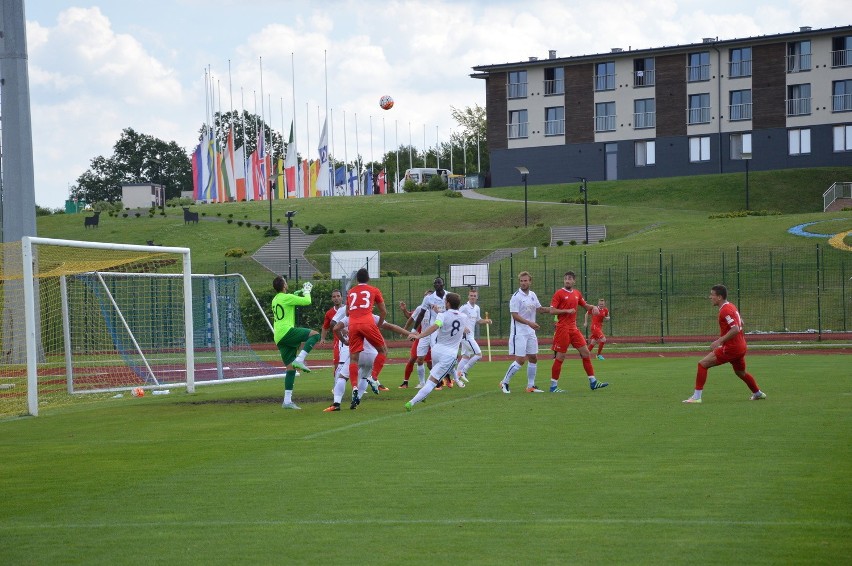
(423, 174)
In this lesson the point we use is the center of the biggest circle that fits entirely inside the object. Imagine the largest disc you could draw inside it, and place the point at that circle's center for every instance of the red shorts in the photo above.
(565, 337)
(734, 357)
(597, 333)
(360, 332)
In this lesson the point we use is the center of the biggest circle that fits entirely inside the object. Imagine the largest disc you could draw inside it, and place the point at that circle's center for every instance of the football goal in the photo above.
(90, 318)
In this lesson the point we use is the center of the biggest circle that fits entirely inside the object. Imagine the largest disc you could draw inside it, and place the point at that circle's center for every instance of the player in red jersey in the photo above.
(729, 348)
(597, 327)
(359, 309)
(564, 305)
(336, 301)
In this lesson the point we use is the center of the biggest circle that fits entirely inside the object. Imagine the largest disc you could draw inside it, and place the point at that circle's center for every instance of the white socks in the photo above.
(513, 369)
(421, 373)
(339, 388)
(531, 371)
(426, 390)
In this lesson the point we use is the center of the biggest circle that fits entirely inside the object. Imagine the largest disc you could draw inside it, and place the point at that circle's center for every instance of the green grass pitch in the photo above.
(622, 475)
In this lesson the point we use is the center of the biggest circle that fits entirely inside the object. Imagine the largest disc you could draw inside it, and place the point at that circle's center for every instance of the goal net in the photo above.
(95, 319)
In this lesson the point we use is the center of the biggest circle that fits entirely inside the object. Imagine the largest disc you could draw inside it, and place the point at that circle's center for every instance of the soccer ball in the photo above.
(138, 392)
(386, 102)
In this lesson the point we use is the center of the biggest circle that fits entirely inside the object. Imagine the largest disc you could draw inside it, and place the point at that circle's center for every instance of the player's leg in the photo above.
(310, 338)
(704, 364)
(338, 391)
(517, 349)
(409, 365)
(739, 367)
(442, 363)
(579, 342)
(422, 351)
(288, 354)
(532, 366)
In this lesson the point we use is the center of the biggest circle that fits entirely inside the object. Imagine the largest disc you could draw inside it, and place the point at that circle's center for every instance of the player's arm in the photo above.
(383, 310)
(521, 320)
(338, 331)
(395, 328)
(431, 330)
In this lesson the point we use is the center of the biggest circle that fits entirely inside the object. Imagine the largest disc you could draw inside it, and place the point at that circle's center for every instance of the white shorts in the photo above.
(423, 346)
(442, 360)
(524, 345)
(366, 359)
(469, 347)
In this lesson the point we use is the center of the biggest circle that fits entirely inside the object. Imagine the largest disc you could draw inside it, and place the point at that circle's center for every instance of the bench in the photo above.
(92, 220)
(189, 216)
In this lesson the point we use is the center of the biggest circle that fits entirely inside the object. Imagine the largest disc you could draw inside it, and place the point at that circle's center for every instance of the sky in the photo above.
(98, 67)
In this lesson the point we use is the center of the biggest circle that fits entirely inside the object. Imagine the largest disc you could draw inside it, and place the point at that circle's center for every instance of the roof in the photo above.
(483, 70)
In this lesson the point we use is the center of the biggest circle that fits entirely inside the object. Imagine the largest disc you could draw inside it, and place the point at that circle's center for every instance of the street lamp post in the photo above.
(746, 158)
(524, 172)
(269, 196)
(585, 192)
(290, 214)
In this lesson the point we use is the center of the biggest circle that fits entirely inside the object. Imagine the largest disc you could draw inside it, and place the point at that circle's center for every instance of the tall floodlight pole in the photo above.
(17, 186)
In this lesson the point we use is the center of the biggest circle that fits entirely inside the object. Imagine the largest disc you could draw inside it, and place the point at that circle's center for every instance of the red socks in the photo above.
(556, 369)
(700, 377)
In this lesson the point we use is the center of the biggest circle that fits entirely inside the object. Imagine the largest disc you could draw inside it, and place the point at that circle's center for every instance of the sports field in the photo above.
(622, 475)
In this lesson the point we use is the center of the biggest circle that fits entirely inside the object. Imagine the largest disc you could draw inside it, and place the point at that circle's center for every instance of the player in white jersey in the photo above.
(433, 303)
(470, 350)
(365, 362)
(448, 330)
(523, 343)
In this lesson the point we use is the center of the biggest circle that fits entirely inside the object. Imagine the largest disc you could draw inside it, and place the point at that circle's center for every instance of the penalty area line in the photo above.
(402, 414)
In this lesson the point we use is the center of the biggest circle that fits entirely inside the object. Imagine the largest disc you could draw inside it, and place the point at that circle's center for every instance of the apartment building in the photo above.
(779, 101)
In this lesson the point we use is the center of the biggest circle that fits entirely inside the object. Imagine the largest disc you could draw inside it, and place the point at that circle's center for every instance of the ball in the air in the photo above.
(386, 102)
(138, 392)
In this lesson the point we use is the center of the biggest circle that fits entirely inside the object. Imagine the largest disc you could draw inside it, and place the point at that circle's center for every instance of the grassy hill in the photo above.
(639, 215)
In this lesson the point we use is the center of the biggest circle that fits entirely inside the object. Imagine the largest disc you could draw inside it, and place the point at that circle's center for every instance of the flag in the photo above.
(340, 181)
(381, 181)
(196, 173)
(262, 167)
(290, 164)
(281, 190)
(322, 165)
(367, 182)
(305, 179)
(229, 171)
(315, 168)
(208, 187)
(240, 173)
(352, 182)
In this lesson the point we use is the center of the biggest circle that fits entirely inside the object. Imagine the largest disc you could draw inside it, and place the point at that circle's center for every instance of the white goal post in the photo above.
(84, 265)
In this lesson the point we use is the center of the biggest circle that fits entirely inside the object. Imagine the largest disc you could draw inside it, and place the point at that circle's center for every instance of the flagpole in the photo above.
(307, 190)
(329, 168)
(410, 147)
(331, 165)
(437, 147)
(295, 137)
(372, 159)
(262, 150)
(358, 157)
(345, 154)
(425, 150)
(396, 141)
(283, 187)
(385, 154)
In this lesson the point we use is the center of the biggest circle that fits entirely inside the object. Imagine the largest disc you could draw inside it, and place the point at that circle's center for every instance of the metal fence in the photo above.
(658, 294)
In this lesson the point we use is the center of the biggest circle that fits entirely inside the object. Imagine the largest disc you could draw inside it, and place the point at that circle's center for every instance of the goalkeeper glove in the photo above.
(306, 288)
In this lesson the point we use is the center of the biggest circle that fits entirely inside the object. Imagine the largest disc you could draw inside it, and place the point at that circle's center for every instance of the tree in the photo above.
(136, 158)
(246, 127)
(474, 129)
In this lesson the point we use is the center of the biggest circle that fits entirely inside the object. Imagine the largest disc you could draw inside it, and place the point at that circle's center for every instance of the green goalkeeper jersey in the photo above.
(284, 312)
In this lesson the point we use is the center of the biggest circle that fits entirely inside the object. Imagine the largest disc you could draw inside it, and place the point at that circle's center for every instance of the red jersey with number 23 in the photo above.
(360, 301)
(729, 316)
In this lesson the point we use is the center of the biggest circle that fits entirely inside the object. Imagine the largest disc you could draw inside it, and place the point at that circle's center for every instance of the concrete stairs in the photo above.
(274, 254)
(597, 233)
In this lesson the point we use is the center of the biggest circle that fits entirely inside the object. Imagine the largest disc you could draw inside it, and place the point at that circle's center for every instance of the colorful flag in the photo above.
(208, 178)
(352, 182)
(279, 179)
(290, 165)
(322, 183)
(305, 179)
(367, 182)
(196, 173)
(240, 173)
(381, 182)
(314, 171)
(262, 167)
(340, 181)
(228, 170)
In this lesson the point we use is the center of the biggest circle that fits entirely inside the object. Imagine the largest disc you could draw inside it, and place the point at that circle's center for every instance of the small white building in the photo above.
(142, 195)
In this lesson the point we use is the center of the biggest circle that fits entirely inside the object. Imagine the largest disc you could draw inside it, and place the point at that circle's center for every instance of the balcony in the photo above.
(798, 63)
(605, 123)
(698, 115)
(841, 102)
(698, 73)
(642, 120)
(554, 128)
(841, 58)
(556, 86)
(798, 106)
(739, 112)
(516, 90)
(604, 82)
(517, 131)
(644, 78)
(739, 69)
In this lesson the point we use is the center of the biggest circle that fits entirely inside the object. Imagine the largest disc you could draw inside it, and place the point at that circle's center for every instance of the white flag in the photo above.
(323, 181)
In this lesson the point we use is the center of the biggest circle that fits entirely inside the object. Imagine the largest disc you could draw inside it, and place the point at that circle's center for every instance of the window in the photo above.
(645, 153)
(843, 138)
(841, 51)
(699, 149)
(605, 76)
(699, 109)
(799, 99)
(739, 64)
(798, 56)
(698, 67)
(554, 81)
(517, 87)
(605, 117)
(644, 113)
(740, 144)
(517, 124)
(841, 96)
(554, 121)
(644, 72)
(799, 141)
(740, 108)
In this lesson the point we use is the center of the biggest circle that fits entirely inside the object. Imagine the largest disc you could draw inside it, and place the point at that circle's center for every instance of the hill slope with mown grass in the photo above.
(406, 228)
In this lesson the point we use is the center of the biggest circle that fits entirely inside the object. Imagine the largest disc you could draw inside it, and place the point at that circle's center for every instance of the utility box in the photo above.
(142, 195)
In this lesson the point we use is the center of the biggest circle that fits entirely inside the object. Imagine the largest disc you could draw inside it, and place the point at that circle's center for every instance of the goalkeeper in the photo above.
(288, 337)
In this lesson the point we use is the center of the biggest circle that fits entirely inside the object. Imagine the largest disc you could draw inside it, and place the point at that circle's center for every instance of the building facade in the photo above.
(780, 101)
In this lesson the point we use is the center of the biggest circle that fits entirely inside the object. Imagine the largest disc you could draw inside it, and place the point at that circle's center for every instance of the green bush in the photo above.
(239, 223)
(318, 229)
(272, 233)
(235, 252)
(451, 194)
(138, 214)
(436, 183)
(230, 220)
